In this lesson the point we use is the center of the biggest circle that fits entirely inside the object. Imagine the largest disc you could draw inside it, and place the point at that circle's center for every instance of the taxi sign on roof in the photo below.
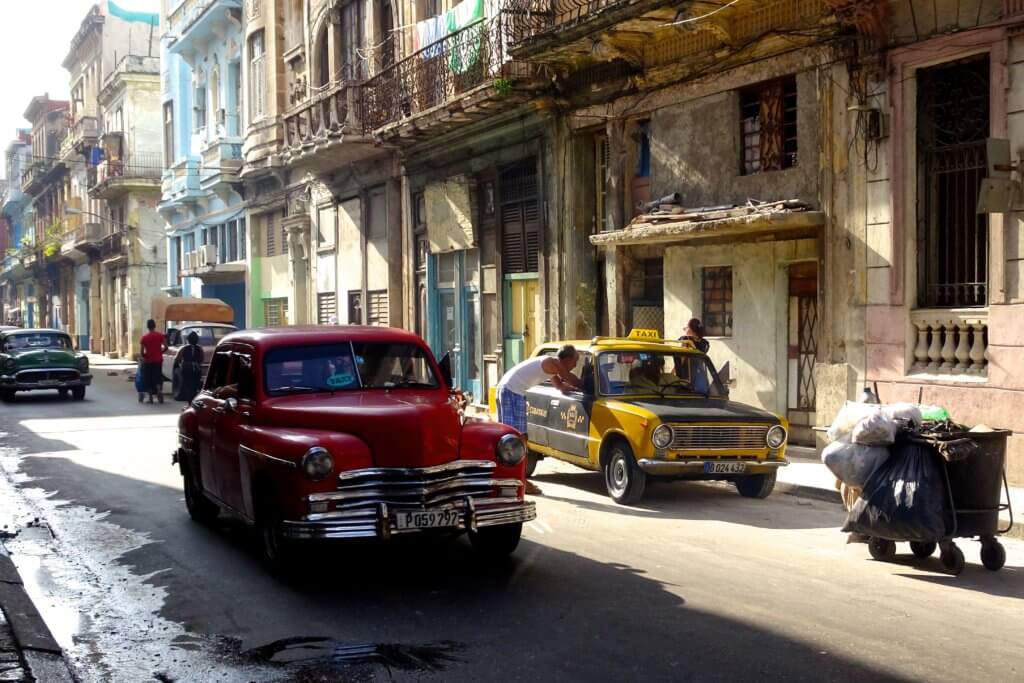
(646, 335)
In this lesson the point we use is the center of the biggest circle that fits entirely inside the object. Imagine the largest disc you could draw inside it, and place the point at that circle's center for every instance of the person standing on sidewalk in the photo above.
(153, 345)
(514, 384)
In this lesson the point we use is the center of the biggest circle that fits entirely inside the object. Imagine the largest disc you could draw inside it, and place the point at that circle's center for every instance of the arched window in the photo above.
(322, 65)
(386, 35)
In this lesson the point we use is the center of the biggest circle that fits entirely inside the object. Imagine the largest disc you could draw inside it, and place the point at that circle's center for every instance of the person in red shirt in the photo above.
(153, 346)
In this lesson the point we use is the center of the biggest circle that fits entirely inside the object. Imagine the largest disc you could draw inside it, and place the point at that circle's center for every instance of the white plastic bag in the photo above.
(853, 464)
(848, 417)
(904, 412)
(877, 429)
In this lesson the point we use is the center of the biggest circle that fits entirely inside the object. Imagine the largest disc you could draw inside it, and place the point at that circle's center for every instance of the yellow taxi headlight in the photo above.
(776, 436)
(662, 436)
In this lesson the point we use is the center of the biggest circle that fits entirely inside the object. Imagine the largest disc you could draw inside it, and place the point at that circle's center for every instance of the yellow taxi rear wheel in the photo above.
(623, 478)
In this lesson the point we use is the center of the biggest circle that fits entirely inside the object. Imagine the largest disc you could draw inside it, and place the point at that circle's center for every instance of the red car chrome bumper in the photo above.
(381, 521)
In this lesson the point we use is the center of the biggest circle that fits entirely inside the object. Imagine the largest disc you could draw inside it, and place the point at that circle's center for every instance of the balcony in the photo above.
(464, 77)
(32, 177)
(209, 266)
(950, 342)
(136, 171)
(113, 246)
(221, 162)
(86, 239)
(180, 183)
(201, 21)
(325, 130)
(81, 134)
(536, 26)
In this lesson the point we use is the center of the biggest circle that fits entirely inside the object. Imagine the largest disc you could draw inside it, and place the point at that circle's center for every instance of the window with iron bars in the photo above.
(768, 119)
(275, 312)
(716, 301)
(953, 110)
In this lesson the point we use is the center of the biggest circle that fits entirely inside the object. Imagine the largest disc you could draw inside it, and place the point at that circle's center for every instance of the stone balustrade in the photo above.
(951, 341)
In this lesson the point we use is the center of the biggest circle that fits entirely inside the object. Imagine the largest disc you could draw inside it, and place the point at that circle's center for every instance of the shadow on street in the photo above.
(545, 611)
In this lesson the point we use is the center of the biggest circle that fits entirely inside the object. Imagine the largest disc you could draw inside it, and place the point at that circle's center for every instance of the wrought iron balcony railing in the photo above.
(323, 114)
(528, 18)
(136, 166)
(440, 72)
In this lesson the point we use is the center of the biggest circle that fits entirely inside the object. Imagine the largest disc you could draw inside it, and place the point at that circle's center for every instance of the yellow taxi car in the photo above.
(653, 409)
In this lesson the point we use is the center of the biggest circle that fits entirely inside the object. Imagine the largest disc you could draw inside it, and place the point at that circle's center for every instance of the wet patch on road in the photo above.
(428, 657)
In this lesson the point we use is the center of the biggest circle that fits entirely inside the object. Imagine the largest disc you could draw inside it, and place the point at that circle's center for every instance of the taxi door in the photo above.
(561, 420)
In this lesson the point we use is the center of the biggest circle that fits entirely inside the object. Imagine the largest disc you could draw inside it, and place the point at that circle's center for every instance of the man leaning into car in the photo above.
(514, 384)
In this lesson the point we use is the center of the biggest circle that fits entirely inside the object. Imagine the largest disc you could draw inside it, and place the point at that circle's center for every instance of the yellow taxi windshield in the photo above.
(664, 374)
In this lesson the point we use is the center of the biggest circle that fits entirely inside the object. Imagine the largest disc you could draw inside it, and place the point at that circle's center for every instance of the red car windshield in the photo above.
(347, 366)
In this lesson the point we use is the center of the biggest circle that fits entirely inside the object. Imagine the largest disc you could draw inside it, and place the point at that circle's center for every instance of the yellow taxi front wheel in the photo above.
(623, 478)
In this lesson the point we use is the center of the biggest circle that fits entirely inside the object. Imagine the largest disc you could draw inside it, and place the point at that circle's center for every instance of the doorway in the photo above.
(453, 325)
(802, 350)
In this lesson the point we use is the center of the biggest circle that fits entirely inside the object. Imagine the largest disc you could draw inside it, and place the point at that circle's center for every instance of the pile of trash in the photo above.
(902, 490)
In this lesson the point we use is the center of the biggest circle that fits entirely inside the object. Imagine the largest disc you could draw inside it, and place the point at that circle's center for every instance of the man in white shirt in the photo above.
(518, 380)
(514, 384)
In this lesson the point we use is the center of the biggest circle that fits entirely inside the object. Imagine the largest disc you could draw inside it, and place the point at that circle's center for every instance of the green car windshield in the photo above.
(663, 374)
(37, 340)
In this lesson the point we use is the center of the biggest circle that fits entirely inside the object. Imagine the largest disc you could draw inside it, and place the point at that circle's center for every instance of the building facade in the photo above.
(17, 232)
(202, 199)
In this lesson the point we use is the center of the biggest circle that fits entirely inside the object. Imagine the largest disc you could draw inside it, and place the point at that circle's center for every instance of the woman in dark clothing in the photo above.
(695, 333)
(190, 364)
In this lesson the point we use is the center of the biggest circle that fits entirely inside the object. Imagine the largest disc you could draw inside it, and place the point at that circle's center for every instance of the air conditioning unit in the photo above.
(207, 255)
(190, 260)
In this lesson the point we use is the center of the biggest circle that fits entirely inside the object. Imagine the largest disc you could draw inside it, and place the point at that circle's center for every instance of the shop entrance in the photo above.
(802, 350)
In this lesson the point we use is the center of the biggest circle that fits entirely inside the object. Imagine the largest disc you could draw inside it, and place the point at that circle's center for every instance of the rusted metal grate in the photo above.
(807, 324)
(768, 119)
(953, 123)
(716, 294)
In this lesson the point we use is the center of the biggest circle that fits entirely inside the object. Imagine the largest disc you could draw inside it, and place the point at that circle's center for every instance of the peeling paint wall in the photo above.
(695, 150)
(756, 351)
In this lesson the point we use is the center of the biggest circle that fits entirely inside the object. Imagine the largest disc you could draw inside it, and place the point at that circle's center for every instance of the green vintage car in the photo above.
(31, 360)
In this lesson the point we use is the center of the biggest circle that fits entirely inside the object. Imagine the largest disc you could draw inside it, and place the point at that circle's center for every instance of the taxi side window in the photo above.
(583, 369)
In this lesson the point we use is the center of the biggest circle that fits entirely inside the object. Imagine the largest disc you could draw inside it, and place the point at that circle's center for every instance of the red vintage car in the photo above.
(346, 432)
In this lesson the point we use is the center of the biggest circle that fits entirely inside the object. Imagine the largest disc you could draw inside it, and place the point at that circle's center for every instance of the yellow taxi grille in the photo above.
(718, 437)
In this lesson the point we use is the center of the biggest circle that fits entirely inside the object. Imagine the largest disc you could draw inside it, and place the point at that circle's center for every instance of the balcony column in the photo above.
(977, 353)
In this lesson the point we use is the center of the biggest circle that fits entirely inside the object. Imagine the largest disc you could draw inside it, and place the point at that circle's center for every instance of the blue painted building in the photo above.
(14, 204)
(202, 129)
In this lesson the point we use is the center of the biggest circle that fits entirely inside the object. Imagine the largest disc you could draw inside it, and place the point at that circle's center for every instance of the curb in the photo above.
(43, 656)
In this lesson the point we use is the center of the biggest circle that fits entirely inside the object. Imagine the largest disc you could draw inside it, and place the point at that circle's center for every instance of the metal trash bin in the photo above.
(975, 477)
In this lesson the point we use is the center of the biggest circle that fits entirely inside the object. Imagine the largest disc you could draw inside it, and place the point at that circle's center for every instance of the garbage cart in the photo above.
(972, 467)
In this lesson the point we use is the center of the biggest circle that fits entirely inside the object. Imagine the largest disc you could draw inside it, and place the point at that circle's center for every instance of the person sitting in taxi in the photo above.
(650, 375)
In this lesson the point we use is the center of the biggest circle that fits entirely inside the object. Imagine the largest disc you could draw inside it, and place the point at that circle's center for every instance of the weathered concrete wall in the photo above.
(695, 150)
(756, 351)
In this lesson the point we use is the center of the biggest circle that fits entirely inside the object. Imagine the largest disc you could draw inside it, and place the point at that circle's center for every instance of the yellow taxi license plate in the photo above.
(428, 519)
(725, 467)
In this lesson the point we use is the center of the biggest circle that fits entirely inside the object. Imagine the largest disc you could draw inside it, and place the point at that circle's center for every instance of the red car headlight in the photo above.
(511, 449)
(317, 463)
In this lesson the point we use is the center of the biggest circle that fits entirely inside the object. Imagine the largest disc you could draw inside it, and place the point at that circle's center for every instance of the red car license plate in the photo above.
(429, 519)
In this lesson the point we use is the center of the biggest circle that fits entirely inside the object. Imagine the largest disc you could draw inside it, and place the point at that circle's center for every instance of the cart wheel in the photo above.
(993, 555)
(922, 548)
(881, 549)
(953, 559)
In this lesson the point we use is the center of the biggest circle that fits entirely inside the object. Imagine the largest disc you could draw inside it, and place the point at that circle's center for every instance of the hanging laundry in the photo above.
(465, 51)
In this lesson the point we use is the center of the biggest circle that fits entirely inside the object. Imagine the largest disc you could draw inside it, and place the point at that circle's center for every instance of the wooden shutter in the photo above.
(377, 307)
(326, 306)
(520, 219)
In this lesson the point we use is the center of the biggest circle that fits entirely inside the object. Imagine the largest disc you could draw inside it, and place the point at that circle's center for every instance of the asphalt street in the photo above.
(694, 584)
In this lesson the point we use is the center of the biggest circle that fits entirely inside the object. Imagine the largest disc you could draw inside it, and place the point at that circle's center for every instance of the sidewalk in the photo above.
(28, 651)
(806, 476)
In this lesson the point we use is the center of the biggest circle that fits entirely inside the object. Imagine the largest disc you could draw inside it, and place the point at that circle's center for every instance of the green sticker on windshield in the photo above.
(341, 380)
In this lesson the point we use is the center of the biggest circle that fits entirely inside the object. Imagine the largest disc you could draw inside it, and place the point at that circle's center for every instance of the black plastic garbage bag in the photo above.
(905, 499)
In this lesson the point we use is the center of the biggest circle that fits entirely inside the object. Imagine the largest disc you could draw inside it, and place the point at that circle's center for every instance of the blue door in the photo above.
(453, 309)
